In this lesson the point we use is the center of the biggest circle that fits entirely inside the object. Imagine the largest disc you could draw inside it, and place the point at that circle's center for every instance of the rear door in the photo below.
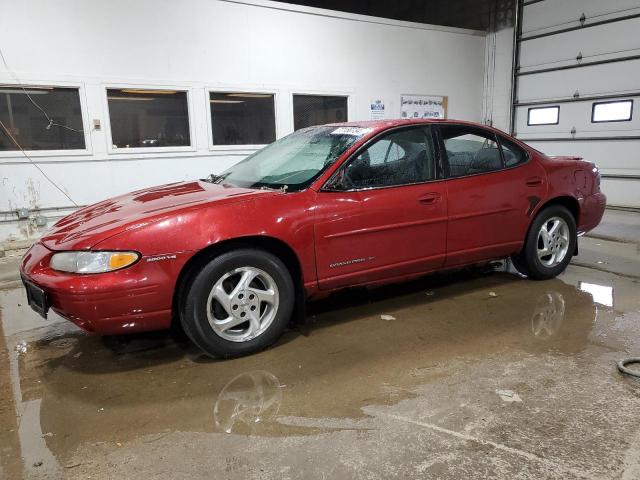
(383, 215)
(491, 190)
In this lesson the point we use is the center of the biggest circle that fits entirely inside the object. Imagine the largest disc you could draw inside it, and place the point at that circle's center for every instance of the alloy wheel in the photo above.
(553, 242)
(242, 304)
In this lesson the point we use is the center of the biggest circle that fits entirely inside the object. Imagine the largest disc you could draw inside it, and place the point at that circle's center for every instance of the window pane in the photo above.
(543, 116)
(309, 110)
(470, 151)
(242, 118)
(400, 158)
(612, 111)
(20, 111)
(148, 118)
(513, 154)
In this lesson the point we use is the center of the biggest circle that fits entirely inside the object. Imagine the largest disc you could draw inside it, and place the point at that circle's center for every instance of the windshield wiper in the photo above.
(213, 178)
(282, 189)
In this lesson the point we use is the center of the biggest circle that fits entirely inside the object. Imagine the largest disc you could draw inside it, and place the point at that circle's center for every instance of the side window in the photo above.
(400, 158)
(513, 154)
(470, 150)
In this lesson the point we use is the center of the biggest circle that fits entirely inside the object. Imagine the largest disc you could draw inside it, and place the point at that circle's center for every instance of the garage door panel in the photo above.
(609, 78)
(578, 115)
(612, 40)
(551, 38)
(551, 15)
(622, 192)
(615, 157)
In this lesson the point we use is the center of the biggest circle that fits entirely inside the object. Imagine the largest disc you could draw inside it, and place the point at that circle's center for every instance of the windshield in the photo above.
(295, 160)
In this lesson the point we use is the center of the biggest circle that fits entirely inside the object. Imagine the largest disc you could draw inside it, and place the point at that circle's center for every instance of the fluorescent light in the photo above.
(543, 116)
(137, 99)
(148, 92)
(602, 294)
(226, 101)
(249, 95)
(29, 91)
(617, 111)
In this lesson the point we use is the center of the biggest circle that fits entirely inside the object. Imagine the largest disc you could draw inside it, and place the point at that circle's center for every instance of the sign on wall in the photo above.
(423, 106)
(376, 108)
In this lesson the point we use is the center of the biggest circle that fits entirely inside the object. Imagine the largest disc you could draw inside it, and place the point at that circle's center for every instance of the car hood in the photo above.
(90, 225)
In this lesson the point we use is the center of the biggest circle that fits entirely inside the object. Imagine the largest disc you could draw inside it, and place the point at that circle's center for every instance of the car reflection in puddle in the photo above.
(248, 399)
(548, 315)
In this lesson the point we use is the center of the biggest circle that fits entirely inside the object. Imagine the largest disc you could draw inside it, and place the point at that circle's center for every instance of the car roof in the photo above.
(384, 124)
(379, 125)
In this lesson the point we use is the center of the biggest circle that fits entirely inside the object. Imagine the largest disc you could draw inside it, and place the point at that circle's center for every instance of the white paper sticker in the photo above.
(422, 106)
(355, 131)
(377, 109)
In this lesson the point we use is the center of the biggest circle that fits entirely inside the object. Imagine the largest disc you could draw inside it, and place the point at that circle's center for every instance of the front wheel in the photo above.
(238, 303)
(549, 245)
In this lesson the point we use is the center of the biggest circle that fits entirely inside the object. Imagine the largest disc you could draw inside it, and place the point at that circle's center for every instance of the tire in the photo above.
(538, 263)
(238, 303)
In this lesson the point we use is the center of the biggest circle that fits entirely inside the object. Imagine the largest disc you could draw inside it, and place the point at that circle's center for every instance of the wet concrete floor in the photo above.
(476, 374)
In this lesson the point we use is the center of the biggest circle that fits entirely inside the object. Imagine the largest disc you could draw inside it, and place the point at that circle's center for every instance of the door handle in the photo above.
(533, 181)
(430, 198)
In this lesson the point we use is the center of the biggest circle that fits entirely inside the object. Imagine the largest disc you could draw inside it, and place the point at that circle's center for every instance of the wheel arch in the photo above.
(567, 201)
(269, 244)
(571, 204)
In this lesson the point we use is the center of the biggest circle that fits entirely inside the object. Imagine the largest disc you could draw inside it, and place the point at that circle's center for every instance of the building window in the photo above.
(543, 116)
(148, 118)
(41, 118)
(309, 110)
(242, 118)
(615, 111)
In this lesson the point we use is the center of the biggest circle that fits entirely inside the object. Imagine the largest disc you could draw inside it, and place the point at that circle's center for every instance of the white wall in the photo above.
(202, 44)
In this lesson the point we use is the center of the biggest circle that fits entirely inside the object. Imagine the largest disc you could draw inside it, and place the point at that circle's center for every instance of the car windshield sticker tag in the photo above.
(355, 131)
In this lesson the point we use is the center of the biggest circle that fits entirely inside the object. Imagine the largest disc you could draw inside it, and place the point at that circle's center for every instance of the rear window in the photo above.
(513, 153)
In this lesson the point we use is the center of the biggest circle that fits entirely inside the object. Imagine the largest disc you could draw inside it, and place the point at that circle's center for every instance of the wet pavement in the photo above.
(477, 374)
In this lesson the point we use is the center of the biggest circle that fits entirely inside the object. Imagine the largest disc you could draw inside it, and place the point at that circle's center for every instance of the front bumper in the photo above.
(134, 299)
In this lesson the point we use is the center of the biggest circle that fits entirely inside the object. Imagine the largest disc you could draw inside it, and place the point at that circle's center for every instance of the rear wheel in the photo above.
(549, 245)
(238, 303)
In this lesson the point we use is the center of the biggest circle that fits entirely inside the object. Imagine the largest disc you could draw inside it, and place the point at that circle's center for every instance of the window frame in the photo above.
(76, 152)
(529, 124)
(624, 100)
(136, 150)
(527, 155)
(322, 93)
(497, 137)
(439, 173)
(244, 89)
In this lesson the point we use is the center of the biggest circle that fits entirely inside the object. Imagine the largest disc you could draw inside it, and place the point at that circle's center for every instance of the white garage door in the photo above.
(577, 89)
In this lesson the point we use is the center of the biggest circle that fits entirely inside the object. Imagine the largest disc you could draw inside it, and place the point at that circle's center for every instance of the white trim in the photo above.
(242, 89)
(86, 129)
(323, 12)
(147, 86)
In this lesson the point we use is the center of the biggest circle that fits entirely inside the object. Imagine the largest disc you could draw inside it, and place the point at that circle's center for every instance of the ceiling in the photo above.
(473, 14)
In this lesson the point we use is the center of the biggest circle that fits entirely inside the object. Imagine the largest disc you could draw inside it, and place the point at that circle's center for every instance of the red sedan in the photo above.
(321, 209)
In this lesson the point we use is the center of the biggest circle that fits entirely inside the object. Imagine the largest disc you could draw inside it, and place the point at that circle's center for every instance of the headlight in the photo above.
(92, 262)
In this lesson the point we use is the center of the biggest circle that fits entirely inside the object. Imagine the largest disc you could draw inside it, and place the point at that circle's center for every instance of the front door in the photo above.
(384, 214)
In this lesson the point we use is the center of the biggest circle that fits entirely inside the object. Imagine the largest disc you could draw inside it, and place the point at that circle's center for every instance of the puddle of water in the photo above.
(75, 391)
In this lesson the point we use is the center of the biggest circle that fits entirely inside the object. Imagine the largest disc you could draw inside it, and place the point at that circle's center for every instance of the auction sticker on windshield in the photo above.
(356, 131)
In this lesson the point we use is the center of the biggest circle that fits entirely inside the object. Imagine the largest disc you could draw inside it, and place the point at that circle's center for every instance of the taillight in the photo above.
(597, 178)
